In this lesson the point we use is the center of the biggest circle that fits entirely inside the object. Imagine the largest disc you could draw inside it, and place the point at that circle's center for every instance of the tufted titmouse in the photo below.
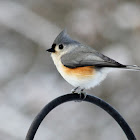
(80, 65)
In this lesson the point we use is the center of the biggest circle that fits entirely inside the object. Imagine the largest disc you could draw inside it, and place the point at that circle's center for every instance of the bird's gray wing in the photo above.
(88, 58)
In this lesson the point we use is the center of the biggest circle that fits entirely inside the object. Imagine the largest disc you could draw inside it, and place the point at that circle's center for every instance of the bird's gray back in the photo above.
(86, 56)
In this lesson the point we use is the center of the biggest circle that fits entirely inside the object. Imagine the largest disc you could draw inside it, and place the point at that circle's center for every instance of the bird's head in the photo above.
(62, 44)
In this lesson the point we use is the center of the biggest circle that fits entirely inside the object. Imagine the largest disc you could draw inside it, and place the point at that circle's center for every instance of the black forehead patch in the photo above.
(53, 46)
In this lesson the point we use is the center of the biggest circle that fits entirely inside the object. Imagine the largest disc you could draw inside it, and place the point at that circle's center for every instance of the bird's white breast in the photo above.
(76, 80)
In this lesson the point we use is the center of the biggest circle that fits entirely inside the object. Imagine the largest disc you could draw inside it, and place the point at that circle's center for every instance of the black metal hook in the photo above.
(71, 97)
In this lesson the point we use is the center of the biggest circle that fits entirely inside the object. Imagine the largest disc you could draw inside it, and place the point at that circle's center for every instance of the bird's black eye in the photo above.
(61, 46)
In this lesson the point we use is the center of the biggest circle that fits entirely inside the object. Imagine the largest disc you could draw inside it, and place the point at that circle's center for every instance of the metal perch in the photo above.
(72, 97)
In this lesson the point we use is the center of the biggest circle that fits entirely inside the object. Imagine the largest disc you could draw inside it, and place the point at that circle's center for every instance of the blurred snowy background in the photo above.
(29, 79)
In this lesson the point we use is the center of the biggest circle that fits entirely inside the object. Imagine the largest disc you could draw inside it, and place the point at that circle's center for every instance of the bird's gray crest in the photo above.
(64, 38)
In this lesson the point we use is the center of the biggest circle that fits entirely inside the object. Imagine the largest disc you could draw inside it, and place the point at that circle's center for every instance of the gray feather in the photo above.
(86, 56)
(64, 38)
(80, 55)
(133, 67)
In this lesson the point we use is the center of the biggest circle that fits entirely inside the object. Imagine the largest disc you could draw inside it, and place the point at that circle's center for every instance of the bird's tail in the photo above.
(132, 67)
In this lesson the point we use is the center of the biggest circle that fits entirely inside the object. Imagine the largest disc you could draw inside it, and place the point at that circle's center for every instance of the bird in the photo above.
(80, 65)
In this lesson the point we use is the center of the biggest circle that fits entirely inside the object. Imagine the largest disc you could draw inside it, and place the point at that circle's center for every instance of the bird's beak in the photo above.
(51, 50)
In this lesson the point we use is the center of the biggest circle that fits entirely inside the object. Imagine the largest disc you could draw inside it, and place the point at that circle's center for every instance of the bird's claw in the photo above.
(74, 90)
(81, 93)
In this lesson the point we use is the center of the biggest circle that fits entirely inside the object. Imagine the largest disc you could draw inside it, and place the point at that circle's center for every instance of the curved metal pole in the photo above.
(71, 97)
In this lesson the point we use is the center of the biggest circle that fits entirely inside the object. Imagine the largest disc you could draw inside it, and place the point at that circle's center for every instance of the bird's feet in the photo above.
(74, 90)
(81, 92)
